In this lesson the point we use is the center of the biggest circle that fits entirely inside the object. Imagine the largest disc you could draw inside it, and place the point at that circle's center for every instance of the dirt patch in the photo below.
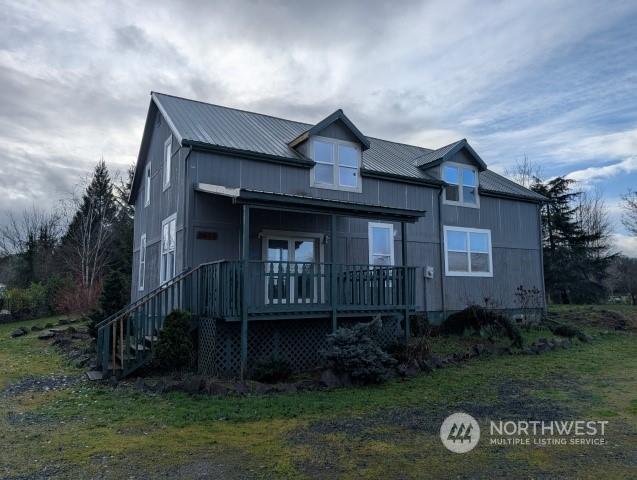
(40, 384)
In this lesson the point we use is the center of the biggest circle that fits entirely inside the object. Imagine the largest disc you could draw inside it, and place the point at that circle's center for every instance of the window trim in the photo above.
(460, 202)
(167, 165)
(147, 184)
(141, 274)
(162, 273)
(466, 230)
(335, 169)
(388, 226)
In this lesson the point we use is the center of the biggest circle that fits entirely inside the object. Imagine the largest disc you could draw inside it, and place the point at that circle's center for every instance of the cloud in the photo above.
(591, 174)
(626, 244)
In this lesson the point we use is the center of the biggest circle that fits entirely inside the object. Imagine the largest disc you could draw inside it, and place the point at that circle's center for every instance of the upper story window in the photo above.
(468, 252)
(147, 185)
(462, 188)
(337, 164)
(167, 161)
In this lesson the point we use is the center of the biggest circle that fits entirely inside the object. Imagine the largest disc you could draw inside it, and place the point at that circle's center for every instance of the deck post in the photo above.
(333, 270)
(245, 250)
(403, 234)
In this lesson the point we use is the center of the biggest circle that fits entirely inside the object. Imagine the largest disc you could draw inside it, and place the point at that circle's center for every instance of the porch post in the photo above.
(403, 234)
(333, 270)
(245, 250)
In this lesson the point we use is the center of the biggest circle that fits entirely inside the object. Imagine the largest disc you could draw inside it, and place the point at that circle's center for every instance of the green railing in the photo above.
(126, 340)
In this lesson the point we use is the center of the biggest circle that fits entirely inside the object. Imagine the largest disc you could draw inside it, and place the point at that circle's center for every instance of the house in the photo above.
(274, 232)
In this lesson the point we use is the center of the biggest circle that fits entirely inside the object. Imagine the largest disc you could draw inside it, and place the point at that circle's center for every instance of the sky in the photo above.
(554, 81)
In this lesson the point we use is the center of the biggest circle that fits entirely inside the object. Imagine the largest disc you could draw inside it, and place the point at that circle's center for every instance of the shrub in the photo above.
(418, 349)
(484, 322)
(30, 302)
(568, 332)
(355, 351)
(174, 349)
(272, 370)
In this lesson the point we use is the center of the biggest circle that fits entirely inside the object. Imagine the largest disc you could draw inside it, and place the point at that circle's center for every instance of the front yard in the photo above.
(53, 425)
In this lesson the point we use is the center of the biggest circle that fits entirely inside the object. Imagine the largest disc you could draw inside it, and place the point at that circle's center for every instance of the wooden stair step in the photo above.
(140, 347)
(150, 338)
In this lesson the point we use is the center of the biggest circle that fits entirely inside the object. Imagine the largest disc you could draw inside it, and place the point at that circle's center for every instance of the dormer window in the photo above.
(337, 164)
(462, 184)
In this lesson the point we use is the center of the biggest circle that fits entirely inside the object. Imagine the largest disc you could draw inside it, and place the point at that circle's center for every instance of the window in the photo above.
(337, 164)
(381, 243)
(462, 188)
(168, 241)
(147, 186)
(142, 262)
(468, 252)
(167, 161)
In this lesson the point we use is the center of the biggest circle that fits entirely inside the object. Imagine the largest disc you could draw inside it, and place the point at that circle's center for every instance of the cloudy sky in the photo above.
(555, 81)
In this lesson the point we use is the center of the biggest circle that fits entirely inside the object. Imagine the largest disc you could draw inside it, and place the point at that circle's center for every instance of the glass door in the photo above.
(291, 270)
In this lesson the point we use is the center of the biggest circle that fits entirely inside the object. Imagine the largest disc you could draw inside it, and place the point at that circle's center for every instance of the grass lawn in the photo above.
(391, 431)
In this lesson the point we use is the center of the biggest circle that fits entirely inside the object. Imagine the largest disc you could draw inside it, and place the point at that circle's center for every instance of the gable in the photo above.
(339, 131)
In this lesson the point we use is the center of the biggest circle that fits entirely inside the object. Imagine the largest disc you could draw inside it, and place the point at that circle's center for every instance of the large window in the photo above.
(147, 185)
(462, 184)
(381, 243)
(168, 241)
(167, 161)
(337, 164)
(468, 252)
(142, 262)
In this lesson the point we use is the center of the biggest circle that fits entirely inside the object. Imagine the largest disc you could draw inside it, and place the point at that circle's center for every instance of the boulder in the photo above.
(194, 384)
(46, 335)
(437, 362)
(63, 321)
(36, 328)
(262, 388)
(81, 361)
(49, 325)
(426, 366)
(241, 388)
(217, 387)
(286, 387)
(19, 332)
(409, 369)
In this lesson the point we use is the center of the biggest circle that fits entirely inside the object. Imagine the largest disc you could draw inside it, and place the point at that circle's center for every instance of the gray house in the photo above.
(274, 232)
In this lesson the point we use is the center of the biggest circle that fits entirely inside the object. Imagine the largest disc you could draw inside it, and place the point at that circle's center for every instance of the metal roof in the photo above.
(204, 124)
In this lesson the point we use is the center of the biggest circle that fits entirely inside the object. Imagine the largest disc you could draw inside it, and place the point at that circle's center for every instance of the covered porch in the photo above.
(296, 274)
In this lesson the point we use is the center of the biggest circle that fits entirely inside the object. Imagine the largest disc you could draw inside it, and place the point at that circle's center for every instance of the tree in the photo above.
(576, 241)
(623, 277)
(525, 172)
(28, 242)
(629, 218)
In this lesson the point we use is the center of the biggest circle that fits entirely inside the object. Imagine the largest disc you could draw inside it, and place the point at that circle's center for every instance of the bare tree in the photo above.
(594, 222)
(20, 231)
(629, 218)
(525, 172)
(623, 274)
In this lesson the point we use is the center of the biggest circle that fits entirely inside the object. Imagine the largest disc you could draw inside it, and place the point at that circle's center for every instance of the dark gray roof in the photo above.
(198, 123)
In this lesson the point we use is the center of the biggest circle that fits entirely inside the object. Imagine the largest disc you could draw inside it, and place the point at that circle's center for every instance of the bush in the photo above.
(26, 303)
(418, 349)
(484, 322)
(174, 349)
(568, 332)
(272, 370)
(354, 351)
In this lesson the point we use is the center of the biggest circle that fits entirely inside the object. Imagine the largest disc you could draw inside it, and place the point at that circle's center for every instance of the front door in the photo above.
(291, 269)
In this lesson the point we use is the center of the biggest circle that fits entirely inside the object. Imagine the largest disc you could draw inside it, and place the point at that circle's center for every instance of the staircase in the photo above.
(126, 340)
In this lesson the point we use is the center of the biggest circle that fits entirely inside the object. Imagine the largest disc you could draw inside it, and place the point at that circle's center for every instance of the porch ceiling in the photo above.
(304, 203)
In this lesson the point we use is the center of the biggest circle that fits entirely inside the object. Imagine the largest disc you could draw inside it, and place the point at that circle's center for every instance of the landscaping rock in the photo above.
(426, 366)
(49, 325)
(81, 361)
(36, 328)
(410, 369)
(241, 388)
(286, 388)
(194, 384)
(217, 387)
(331, 379)
(63, 321)
(46, 335)
(19, 332)
(437, 362)
(307, 384)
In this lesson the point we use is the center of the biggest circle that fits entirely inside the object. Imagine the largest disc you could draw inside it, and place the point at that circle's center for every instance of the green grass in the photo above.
(74, 429)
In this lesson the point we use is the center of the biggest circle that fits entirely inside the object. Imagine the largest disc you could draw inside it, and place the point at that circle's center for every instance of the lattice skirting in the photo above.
(298, 341)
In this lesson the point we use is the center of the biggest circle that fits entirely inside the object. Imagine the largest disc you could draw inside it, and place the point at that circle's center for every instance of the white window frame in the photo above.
(162, 273)
(370, 237)
(460, 202)
(168, 150)
(141, 274)
(147, 184)
(335, 172)
(467, 231)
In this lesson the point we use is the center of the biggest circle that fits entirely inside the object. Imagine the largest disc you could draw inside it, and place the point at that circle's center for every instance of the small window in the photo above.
(147, 185)
(381, 243)
(337, 164)
(462, 184)
(168, 242)
(468, 252)
(167, 161)
(142, 262)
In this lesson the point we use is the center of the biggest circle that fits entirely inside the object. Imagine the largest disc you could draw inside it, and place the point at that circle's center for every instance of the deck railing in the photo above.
(126, 340)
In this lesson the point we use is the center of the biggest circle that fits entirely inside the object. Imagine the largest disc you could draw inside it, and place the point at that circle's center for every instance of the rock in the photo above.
(410, 369)
(286, 388)
(193, 384)
(262, 388)
(112, 381)
(49, 325)
(18, 333)
(71, 330)
(74, 354)
(241, 388)
(331, 379)
(437, 362)
(172, 386)
(307, 384)
(217, 387)
(81, 361)
(426, 366)
(36, 328)
(478, 349)
(63, 321)
(46, 335)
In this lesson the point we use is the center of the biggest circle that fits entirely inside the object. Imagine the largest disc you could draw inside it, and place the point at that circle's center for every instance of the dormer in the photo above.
(458, 165)
(335, 145)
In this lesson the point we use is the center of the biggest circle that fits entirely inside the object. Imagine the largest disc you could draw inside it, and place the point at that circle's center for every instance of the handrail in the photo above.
(153, 293)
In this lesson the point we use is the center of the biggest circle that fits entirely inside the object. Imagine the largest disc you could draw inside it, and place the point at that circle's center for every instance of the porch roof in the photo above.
(304, 203)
